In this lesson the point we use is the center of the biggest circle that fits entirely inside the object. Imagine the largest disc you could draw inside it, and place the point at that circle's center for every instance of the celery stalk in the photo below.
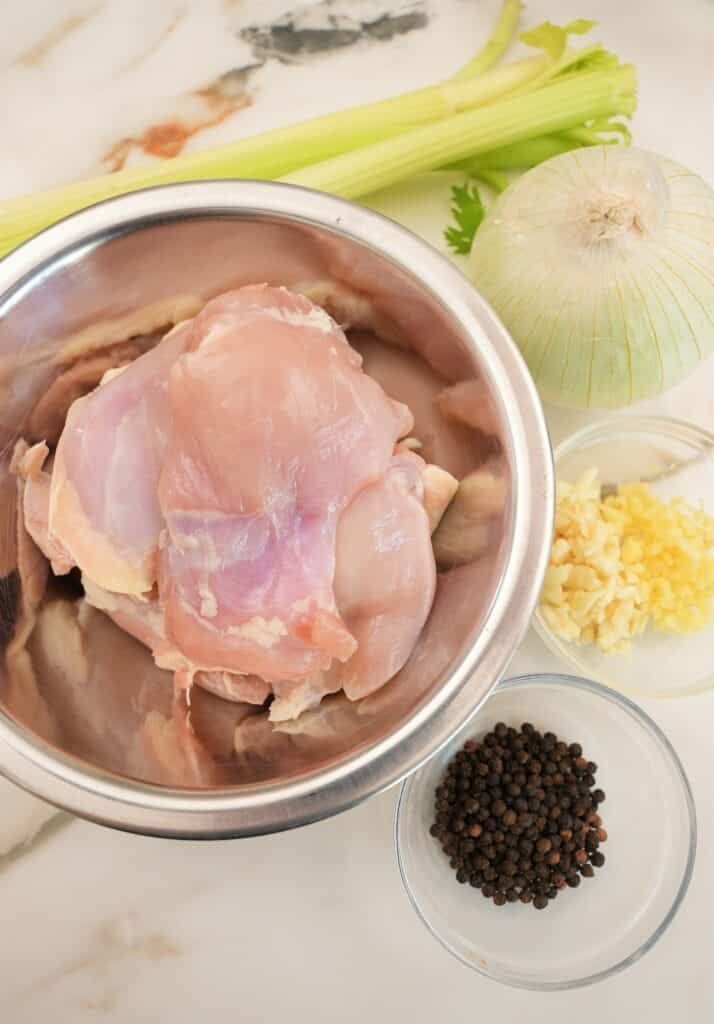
(274, 153)
(562, 104)
(354, 152)
(586, 135)
(517, 156)
(496, 44)
(495, 180)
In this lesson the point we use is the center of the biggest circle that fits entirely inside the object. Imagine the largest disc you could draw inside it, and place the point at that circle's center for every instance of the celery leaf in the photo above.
(554, 38)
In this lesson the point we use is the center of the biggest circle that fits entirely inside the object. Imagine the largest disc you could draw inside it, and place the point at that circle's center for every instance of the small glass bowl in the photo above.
(609, 921)
(677, 460)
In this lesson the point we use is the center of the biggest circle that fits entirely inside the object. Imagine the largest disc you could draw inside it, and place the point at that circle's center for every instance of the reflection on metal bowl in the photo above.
(86, 718)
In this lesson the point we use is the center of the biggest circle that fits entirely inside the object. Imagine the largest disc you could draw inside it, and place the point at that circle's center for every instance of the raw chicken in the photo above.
(141, 618)
(131, 293)
(384, 586)
(439, 490)
(444, 440)
(247, 567)
(385, 577)
(29, 464)
(461, 601)
(473, 521)
(47, 419)
(144, 620)
(238, 500)
(104, 506)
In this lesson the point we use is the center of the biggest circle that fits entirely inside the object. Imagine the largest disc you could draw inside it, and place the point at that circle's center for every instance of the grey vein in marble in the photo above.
(42, 835)
(330, 25)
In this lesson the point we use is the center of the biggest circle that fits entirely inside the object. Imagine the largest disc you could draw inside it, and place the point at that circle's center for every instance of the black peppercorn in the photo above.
(516, 814)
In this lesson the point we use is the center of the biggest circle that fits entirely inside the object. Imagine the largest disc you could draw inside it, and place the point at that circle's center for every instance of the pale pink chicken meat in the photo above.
(144, 620)
(48, 417)
(385, 579)
(444, 440)
(104, 508)
(252, 493)
(386, 575)
(384, 587)
(30, 468)
(237, 689)
(241, 500)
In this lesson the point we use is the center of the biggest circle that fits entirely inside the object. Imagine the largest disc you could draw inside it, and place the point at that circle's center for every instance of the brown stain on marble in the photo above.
(216, 101)
(287, 39)
(39, 50)
(116, 941)
(105, 1003)
(155, 44)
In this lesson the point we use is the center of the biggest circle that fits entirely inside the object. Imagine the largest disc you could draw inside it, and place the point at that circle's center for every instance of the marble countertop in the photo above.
(310, 925)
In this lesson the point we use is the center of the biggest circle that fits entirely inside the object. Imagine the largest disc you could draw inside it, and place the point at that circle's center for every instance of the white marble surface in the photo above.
(311, 925)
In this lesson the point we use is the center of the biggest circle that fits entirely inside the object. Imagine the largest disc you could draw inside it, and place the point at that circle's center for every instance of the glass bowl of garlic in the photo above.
(629, 593)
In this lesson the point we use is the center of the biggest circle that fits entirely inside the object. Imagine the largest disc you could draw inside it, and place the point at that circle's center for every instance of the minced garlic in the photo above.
(619, 562)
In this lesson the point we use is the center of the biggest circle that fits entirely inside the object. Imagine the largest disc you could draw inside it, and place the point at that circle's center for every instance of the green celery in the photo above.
(520, 156)
(495, 180)
(274, 153)
(517, 156)
(497, 43)
(563, 104)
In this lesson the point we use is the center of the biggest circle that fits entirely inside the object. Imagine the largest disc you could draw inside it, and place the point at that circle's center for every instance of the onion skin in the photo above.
(600, 262)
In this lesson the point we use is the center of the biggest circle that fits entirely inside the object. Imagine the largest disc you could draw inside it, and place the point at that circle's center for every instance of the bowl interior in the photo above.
(610, 919)
(678, 461)
(79, 683)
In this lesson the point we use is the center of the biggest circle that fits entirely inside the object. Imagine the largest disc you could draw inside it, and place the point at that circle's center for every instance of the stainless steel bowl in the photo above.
(70, 731)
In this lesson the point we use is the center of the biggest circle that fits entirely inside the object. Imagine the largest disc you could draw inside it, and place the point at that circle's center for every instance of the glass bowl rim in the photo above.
(660, 739)
(669, 426)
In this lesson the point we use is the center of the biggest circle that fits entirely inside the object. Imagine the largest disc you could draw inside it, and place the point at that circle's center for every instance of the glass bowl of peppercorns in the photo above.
(551, 842)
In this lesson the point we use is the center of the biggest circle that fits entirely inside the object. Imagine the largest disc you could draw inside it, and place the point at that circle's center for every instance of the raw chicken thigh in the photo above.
(238, 499)
(104, 506)
(252, 488)
(386, 575)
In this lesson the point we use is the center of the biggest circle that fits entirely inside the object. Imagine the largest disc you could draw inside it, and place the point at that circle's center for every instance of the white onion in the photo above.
(600, 262)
